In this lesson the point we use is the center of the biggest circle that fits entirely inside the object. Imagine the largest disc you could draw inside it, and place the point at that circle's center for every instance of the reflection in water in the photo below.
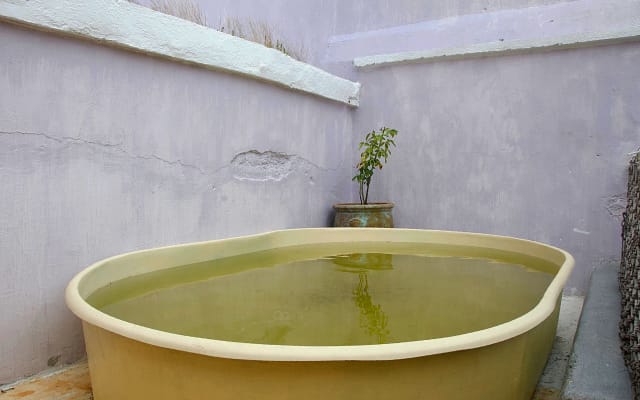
(358, 261)
(287, 297)
(372, 318)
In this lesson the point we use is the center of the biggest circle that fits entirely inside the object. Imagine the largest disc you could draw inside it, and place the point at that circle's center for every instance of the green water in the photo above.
(335, 294)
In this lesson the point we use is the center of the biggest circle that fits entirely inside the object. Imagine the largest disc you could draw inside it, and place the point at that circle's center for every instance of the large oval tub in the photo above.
(501, 362)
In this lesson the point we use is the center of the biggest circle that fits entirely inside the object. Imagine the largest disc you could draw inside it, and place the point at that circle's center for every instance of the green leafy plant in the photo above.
(376, 148)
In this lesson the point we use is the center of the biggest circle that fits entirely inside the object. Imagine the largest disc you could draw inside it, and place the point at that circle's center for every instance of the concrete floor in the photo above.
(552, 380)
(596, 369)
(73, 383)
(68, 383)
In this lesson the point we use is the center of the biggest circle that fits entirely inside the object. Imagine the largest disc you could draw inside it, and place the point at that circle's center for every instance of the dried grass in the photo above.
(184, 9)
(248, 29)
(262, 33)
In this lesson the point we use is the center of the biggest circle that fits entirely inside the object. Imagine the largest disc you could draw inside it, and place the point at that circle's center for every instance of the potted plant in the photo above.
(376, 148)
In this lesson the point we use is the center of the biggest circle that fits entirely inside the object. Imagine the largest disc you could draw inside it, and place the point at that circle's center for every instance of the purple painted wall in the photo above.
(364, 15)
(311, 24)
(533, 146)
(104, 151)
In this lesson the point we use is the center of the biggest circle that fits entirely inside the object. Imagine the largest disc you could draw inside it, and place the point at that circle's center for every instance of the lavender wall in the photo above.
(533, 146)
(364, 15)
(104, 151)
(310, 24)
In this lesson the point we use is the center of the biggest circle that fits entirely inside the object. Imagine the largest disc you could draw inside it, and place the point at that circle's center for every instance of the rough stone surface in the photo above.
(616, 205)
(630, 276)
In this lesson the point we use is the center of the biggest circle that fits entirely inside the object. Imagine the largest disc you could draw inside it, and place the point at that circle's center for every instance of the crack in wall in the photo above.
(116, 146)
(251, 165)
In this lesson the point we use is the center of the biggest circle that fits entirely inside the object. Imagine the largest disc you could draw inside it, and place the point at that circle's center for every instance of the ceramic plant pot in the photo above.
(372, 215)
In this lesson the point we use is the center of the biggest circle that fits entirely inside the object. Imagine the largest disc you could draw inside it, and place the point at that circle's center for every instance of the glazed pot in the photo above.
(354, 215)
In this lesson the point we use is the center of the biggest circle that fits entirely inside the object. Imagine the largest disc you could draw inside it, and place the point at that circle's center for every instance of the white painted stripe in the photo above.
(503, 48)
(123, 24)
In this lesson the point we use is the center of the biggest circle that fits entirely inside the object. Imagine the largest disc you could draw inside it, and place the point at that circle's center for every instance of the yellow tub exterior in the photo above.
(128, 361)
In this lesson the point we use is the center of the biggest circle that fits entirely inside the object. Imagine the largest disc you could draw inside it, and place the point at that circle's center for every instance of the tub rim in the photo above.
(391, 351)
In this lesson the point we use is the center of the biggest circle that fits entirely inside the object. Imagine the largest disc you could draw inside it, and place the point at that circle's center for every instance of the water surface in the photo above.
(334, 294)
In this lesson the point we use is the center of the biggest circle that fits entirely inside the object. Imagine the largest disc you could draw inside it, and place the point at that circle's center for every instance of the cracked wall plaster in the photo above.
(117, 147)
(254, 165)
(122, 152)
(615, 205)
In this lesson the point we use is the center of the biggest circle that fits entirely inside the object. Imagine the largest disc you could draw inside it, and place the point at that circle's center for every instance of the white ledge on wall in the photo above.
(123, 24)
(569, 24)
(501, 48)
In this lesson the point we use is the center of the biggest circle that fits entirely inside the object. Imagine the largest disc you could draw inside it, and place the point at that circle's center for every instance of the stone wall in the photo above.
(630, 276)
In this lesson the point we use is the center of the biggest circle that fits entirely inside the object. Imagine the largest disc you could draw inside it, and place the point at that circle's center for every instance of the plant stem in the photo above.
(366, 196)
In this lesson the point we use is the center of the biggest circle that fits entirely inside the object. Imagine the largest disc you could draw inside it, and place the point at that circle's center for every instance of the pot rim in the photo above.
(369, 206)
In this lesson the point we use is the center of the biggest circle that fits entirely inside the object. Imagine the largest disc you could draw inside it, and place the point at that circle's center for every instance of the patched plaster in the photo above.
(615, 205)
(262, 166)
(254, 165)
